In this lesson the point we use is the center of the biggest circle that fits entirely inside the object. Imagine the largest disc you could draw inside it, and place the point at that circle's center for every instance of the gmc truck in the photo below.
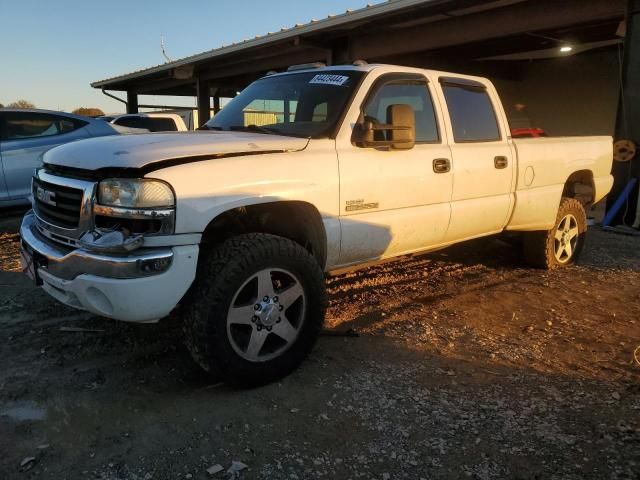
(303, 174)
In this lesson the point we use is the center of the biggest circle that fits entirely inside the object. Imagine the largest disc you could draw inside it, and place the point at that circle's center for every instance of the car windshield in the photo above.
(306, 104)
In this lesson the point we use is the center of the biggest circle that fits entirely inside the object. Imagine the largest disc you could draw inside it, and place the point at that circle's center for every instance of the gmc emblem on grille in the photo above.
(45, 196)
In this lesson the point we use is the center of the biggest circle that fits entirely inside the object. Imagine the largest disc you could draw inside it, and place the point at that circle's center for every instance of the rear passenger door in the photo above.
(483, 163)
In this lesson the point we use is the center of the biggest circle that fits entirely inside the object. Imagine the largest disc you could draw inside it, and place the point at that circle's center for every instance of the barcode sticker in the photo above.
(327, 79)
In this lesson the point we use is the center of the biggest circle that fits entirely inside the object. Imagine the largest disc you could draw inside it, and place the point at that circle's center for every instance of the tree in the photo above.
(1, 105)
(21, 104)
(88, 111)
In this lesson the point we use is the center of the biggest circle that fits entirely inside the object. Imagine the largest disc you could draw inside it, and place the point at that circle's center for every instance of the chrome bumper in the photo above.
(68, 263)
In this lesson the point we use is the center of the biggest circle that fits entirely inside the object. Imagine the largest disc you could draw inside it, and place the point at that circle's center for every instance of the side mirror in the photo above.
(399, 132)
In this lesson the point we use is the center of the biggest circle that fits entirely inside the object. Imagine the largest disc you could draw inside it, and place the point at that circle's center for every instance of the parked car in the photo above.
(240, 224)
(25, 134)
(152, 122)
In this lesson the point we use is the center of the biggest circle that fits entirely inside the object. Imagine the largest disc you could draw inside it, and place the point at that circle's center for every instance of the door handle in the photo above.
(501, 162)
(441, 165)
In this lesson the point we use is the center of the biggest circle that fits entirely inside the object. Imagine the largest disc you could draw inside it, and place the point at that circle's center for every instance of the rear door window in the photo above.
(24, 125)
(473, 118)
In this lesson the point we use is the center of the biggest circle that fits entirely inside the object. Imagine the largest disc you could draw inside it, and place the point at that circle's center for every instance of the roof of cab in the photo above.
(368, 67)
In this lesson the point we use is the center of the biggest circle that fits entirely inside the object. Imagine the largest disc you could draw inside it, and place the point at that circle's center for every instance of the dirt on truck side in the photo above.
(466, 364)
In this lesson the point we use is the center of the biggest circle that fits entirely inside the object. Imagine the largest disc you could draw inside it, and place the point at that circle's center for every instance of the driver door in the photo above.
(393, 201)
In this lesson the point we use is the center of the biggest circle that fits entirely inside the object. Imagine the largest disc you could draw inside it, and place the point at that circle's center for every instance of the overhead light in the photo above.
(566, 49)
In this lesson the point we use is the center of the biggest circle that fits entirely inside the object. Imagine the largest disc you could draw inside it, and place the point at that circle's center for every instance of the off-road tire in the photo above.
(221, 272)
(540, 247)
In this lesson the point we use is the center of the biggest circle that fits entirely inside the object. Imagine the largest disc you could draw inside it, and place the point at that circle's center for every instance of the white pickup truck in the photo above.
(304, 173)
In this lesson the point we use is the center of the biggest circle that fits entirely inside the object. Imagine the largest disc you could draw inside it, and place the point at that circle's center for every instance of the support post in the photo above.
(340, 53)
(216, 104)
(132, 102)
(329, 59)
(204, 102)
(628, 121)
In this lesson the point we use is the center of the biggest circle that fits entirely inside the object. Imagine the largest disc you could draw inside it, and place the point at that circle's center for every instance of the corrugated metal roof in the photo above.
(349, 16)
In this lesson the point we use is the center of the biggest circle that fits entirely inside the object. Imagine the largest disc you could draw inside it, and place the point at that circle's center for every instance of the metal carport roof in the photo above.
(376, 32)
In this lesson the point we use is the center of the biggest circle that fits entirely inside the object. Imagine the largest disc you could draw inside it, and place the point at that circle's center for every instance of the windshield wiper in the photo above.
(258, 129)
(255, 128)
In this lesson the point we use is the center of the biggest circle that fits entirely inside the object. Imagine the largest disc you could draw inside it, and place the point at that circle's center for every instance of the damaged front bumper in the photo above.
(139, 286)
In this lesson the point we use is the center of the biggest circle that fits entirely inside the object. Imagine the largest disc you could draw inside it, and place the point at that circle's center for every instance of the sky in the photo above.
(50, 51)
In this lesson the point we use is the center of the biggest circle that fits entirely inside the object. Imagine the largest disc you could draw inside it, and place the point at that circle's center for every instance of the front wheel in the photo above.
(255, 309)
(563, 244)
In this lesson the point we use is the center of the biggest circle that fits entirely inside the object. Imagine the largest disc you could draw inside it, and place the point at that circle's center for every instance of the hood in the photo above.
(157, 150)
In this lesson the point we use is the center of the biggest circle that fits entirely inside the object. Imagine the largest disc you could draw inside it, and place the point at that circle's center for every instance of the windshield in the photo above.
(301, 105)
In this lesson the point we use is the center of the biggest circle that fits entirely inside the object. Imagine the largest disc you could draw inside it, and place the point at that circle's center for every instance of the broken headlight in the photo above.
(135, 193)
(135, 206)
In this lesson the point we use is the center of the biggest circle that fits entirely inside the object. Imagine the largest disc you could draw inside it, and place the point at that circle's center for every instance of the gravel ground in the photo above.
(467, 365)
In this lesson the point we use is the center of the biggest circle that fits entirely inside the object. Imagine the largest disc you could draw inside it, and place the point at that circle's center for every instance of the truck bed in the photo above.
(545, 165)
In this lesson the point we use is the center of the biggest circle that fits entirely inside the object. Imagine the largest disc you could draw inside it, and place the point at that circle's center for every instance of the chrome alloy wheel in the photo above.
(566, 238)
(266, 315)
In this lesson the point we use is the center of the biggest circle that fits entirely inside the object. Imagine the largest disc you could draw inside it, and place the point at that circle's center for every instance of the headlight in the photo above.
(135, 193)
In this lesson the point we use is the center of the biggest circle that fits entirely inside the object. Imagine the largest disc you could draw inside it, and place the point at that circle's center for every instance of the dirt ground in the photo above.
(467, 365)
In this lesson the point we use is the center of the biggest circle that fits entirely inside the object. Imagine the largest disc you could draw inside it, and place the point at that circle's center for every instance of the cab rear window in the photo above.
(153, 124)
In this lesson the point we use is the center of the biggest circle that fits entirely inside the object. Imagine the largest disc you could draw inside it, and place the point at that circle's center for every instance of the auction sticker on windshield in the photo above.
(326, 79)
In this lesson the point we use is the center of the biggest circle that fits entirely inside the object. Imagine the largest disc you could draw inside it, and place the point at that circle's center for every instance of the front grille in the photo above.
(57, 205)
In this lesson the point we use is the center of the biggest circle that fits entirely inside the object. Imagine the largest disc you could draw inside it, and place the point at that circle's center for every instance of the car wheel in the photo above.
(255, 310)
(562, 245)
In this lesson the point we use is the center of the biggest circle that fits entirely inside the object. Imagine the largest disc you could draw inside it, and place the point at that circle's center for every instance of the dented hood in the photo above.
(146, 151)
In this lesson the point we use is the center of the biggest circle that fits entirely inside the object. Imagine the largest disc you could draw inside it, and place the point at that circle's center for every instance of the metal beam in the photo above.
(340, 53)
(225, 73)
(262, 64)
(204, 101)
(327, 54)
(151, 85)
(628, 123)
(132, 102)
(118, 99)
(166, 107)
(518, 18)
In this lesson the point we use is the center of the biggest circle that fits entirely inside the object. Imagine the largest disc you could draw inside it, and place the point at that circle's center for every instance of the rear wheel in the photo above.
(256, 308)
(563, 244)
